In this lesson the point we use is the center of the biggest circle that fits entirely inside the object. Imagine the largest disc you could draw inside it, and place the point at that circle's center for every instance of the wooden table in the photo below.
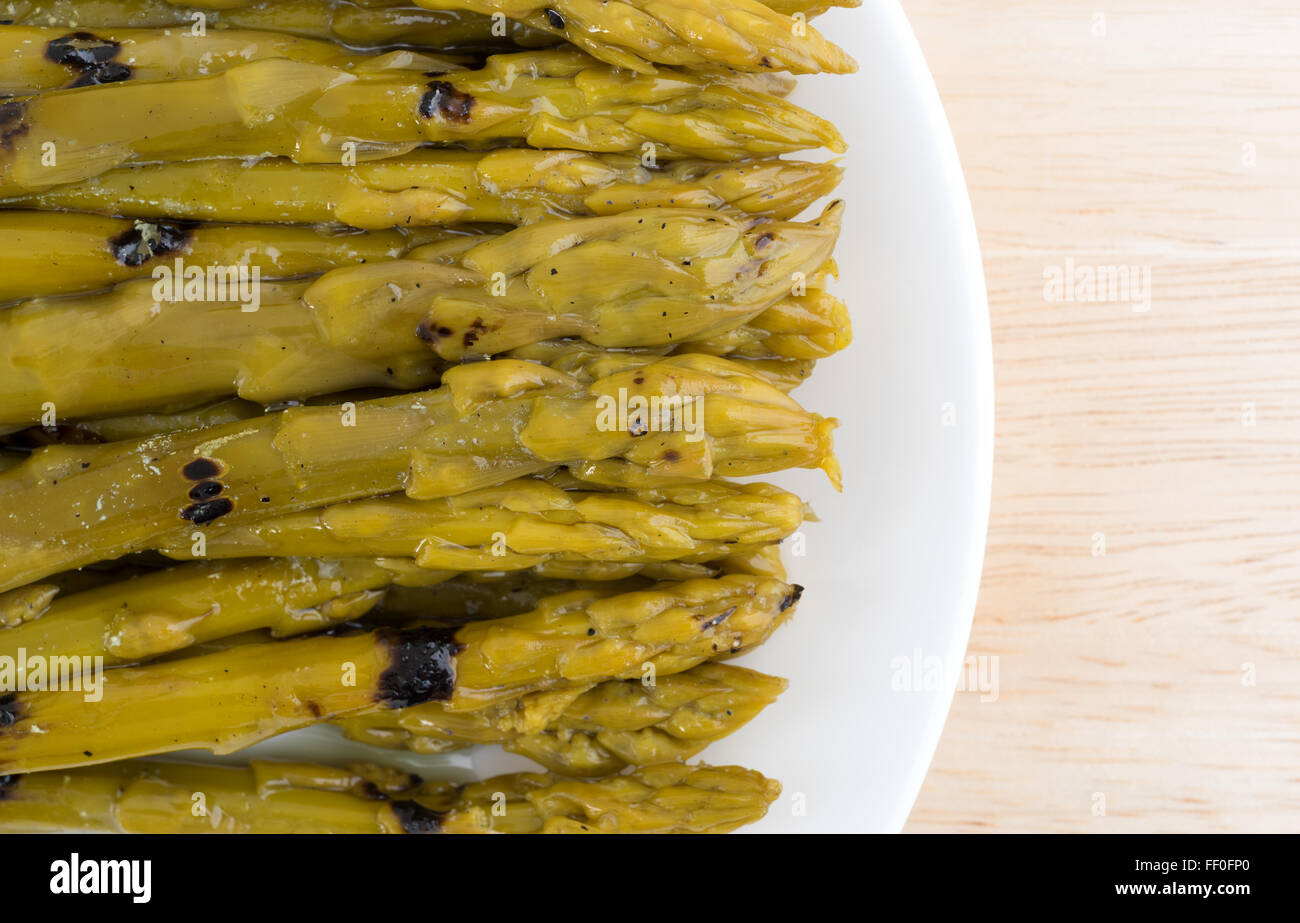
(1141, 590)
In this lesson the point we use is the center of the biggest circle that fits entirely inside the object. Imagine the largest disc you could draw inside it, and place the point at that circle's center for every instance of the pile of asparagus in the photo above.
(493, 298)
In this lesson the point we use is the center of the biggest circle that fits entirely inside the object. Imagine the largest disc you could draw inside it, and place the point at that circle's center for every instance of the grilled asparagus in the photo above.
(233, 698)
(266, 797)
(141, 618)
(59, 253)
(667, 276)
(489, 422)
(35, 59)
(603, 730)
(637, 34)
(318, 114)
(511, 186)
(522, 524)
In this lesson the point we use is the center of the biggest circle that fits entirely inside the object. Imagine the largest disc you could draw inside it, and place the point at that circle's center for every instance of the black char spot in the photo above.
(423, 668)
(12, 124)
(672, 455)
(145, 239)
(11, 710)
(7, 784)
(200, 469)
(447, 102)
(429, 331)
(108, 73)
(207, 510)
(81, 50)
(416, 818)
(795, 592)
(476, 329)
(763, 240)
(206, 490)
(555, 19)
(717, 619)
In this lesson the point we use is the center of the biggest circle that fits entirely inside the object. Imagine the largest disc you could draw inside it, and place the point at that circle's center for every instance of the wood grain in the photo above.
(1155, 686)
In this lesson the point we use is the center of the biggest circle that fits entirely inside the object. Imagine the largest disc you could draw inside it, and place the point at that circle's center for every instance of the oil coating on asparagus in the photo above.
(596, 732)
(526, 524)
(646, 277)
(35, 59)
(233, 698)
(356, 24)
(740, 34)
(317, 114)
(511, 186)
(57, 253)
(133, 620)
(637, 34)
(489, 422)
(269, 797)
(369, 23)
(522, 524)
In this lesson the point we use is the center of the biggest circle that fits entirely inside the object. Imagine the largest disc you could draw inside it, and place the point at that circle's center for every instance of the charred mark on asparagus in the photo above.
(81, 50)
(113, 72)
(11, 710)
(447, 102)
(207, 510)
(201, 469)
(423, 666)
(88, 56)
(476, 328)
(555, 19)
(717, 619)
(206, 490)
(8, 783)
(795, 592)
(12, 123)
(416, 818)
(431, 332)
(146, 239)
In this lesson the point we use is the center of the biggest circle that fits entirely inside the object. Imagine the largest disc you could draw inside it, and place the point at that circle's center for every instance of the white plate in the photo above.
(892, 569)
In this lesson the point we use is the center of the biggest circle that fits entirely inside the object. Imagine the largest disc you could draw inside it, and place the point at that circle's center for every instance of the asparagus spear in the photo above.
(139, 426)
(611, 726)
(168, 610)
(355, 24)
(267, 797)
(657, 267)
(34, 59)
(250, 692)
(637, 34)
(318, 114)
(522, 524)
(489, 595)
(390, 324)
(780, 343)
(487, 423)
(58, 253)
(391, 22)
(512, 186)
(125, 351)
